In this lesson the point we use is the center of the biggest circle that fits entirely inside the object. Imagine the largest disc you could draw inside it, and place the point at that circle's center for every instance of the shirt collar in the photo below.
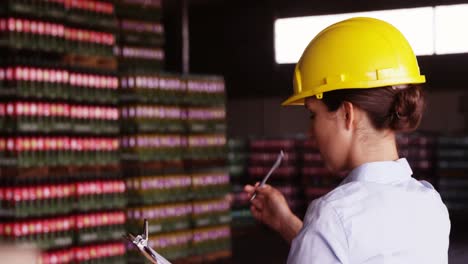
(385, 172)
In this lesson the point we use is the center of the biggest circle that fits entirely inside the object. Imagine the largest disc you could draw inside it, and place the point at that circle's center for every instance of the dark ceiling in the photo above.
(235, 39)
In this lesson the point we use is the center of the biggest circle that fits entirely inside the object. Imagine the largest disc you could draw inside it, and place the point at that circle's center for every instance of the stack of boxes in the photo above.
(263, 154)
(206, 160)
(153, 126)
(451, 170)
(238, 158)
(100, 218)
(418, 149)
(316, 178)
(65, 142)
(141, 36)
(62, 189)
(173, 143)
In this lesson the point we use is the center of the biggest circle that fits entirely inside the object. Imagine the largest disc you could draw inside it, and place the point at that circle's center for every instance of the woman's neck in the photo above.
(380, 147)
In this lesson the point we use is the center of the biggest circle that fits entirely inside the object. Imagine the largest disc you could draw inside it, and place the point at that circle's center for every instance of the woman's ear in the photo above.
(349, 115)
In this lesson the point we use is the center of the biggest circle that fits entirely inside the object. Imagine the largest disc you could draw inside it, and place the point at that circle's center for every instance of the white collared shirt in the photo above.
(378, 214)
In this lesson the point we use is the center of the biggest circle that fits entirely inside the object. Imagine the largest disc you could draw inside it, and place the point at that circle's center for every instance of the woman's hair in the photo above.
(399, 108)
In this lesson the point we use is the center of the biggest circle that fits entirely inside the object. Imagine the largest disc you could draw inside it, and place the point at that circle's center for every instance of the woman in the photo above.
(359, 81)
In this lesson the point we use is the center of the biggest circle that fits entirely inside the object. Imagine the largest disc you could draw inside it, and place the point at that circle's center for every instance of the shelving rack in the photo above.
(238, 163)
(263, 154)
(206, 161)
(451, 170)
(63, 189)
(173, 143)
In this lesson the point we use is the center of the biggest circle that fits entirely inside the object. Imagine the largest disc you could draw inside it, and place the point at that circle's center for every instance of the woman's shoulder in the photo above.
(347, 199)
(336, 198)
(339, 200)
(345, 192)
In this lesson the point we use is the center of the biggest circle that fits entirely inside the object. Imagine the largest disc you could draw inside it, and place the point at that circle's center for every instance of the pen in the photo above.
(277, 163)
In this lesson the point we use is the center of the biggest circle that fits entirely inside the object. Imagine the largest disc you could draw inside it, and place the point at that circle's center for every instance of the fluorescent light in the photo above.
(450, 22)
(293, 34)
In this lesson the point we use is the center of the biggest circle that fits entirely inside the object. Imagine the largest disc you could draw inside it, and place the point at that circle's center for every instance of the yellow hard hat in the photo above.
(355, 53)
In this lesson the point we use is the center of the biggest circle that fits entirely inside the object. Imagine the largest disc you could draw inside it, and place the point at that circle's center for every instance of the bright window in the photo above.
(450, 29)
(429, 30)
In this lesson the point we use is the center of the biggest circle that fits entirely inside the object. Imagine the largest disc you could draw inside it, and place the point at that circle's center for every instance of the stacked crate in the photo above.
(263, 154)
(452, 172)
(141, 37)
(206, 160)
(91, 35)
(315, 178)
(418, 149)
(100, 218)
(238, 158)
(153, 126)
(61, 190)
(173, 142)
(164, 124)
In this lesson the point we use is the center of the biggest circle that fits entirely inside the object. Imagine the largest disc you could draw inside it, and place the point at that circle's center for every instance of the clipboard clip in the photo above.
(141, 242)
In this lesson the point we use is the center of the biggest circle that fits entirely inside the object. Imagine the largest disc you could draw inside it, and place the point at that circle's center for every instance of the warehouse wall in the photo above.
(265, 116)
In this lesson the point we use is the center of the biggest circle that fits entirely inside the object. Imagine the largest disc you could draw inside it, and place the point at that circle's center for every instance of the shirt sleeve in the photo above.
(322, 239)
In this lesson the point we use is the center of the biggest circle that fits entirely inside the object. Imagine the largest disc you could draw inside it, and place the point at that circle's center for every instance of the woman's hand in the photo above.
(271, 208)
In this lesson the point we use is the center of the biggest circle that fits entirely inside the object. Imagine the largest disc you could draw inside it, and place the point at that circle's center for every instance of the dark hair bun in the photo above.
(407, 109)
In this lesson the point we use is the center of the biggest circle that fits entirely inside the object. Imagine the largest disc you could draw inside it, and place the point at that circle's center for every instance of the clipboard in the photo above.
(141, 243)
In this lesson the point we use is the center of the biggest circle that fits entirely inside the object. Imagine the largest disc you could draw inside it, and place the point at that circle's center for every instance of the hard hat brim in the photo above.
(298, 99)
